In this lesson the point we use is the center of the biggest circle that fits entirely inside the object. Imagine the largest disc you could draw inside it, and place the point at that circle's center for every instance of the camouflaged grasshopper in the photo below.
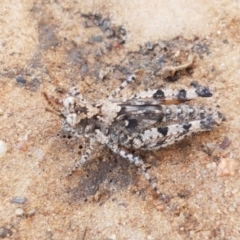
(149, 120)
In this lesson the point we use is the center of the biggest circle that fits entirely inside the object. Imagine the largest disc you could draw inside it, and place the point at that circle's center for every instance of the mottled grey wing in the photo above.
(140, 117)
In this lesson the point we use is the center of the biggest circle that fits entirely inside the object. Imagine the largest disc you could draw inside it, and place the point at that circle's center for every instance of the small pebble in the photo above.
(19, 212)
(31, 213)
(20, 200)
(3, 148)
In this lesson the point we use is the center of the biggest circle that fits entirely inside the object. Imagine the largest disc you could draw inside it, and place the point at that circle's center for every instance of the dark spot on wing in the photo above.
(182, 94)
(187, 126)
(163, 130)
(132, 123)
(159, 94)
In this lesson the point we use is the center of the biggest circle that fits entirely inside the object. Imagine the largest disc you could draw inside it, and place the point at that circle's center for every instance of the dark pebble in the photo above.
(20, 80)
(225, 143)
(20, 200)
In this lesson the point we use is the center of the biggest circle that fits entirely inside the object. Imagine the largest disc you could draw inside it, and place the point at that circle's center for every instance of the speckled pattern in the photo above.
(47, 47)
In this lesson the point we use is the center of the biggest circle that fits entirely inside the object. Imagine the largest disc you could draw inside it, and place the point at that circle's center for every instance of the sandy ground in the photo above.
(45, 48)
